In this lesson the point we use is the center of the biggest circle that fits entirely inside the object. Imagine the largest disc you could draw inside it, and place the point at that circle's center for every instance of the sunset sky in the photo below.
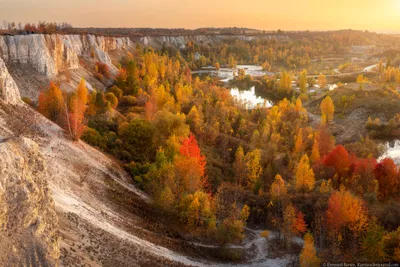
(374, 15)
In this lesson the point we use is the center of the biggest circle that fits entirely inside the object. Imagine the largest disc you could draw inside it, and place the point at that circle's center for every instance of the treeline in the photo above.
(295, 52)
(40, 27)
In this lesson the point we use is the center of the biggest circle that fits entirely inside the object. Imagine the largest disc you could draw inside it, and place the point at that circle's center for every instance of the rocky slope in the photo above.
(35, 60)
(9, 91)
(28, 221)
(51, 54)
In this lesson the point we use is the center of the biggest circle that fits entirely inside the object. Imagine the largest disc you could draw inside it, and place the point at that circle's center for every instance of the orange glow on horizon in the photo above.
(259, 14)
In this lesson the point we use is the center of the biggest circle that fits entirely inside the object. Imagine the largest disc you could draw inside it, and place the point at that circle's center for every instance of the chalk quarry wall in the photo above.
(50, 54)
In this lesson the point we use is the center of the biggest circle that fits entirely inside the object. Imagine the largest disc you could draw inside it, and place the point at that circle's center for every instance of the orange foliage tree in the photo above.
(76, 110)
(51, 103)
(346, 211)
(387, 175)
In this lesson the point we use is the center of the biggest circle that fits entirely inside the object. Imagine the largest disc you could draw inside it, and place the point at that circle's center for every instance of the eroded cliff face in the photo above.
(28, 221)
(50, 54)
(9, 91)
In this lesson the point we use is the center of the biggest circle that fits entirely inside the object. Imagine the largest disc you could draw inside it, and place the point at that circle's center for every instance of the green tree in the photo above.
(138, 139)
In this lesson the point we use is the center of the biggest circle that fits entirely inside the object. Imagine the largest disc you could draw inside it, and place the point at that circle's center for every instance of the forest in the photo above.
(219, 167)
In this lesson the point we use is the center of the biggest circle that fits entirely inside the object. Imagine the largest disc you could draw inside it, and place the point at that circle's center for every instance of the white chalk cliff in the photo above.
(9, 91)
(50, 54)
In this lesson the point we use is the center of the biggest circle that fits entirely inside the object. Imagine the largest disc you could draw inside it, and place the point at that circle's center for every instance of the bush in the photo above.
(93, 137)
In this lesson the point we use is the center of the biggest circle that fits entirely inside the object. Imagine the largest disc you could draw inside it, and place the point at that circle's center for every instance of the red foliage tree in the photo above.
(363, 176)
(190, 149)
(387, 175)
(340, 159)
(299, 225)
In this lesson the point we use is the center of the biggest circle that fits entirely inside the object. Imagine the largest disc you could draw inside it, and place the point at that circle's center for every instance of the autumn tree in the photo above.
(253, 168)
(340, 160)
(315, 155)
(239, 166)
(327, 108)
(190, 149)
(285, 86)
(325, 141)
(51, 103)
(387, 175)
(231, 230)
(189, 169)
(278, 188)
(345, 211)
(266, 66)
(293, 223)
(305, 179)
(308, 256)
(196, 210)
(303, 81)
(195, 120)
(322, 80)
(76, 110)
(298, 144)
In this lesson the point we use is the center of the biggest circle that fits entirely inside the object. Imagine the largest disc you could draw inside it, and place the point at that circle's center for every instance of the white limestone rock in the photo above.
(9, 91)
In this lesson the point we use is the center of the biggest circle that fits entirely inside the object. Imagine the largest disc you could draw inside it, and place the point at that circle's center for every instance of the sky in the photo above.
(373, 15)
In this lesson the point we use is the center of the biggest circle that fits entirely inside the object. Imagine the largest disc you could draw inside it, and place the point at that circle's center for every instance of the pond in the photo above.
(392, 151)
(247, 96)
(250, 99)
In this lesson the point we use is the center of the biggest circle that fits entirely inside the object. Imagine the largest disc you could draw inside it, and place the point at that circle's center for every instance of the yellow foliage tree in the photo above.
(298, 146)
(308, 256)
(305, 179)
(303, 81)
(253, 167)
(299, 105)
(315, 156)
(239, 166)
(278, 188)
(322, 80)
(327, 108)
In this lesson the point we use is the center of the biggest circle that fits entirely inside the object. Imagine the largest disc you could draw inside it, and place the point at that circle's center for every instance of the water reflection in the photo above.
(249, 98)
(392, 151)
(246, 97)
